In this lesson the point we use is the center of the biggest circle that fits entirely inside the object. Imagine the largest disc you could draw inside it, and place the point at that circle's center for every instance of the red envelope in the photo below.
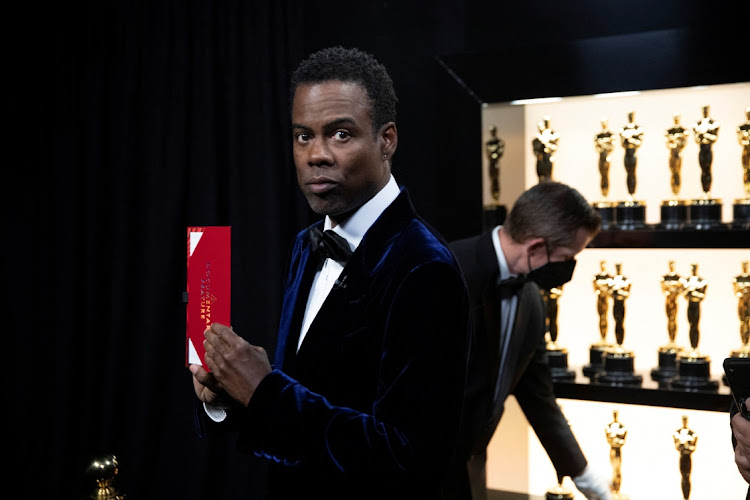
(209, 285)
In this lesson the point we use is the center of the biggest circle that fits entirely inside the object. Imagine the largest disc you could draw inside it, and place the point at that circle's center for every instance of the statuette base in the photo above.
(741, 214)
(694, 374)
(674, 214)
(558, 364)
(596, 360)
(705, 213)
(608, 213)
(619, 369)
(631, 214)
(667, 369)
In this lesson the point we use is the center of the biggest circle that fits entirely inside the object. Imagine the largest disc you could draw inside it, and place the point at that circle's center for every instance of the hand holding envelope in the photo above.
(237, 367)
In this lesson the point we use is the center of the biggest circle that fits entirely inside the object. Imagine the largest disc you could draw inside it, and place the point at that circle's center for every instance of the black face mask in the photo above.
(552, 274)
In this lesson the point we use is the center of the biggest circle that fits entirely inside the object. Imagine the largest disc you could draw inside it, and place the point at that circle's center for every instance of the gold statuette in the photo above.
(743, 136)
(602, 286)
(685, 441)
(604, 142)
(741, 208)
(677, 137)
(695, 291)
(631, 138)
(544, 145)
(706, 132)
(672, 285)
(557, 355)
(694, 368)
(742, 292)
(619, 291)
(616, 433)
(619, 363)
(104, 472)
(495, 147)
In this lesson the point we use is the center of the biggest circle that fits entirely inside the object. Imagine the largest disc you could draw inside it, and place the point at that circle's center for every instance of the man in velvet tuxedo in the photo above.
(505, 268)
(365, 396)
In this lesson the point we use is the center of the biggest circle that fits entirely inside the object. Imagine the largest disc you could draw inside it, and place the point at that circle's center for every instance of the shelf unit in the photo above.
(653, 237)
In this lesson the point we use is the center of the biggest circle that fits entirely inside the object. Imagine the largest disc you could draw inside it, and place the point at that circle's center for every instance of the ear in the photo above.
(389, 137)
(535, 245)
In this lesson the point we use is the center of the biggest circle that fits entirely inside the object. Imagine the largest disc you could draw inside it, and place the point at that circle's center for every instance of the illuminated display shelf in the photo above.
(653, 237)
(648, 393)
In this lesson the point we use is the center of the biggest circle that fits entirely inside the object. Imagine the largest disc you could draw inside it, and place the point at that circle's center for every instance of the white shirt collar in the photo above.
(354, 228)
(504, 270)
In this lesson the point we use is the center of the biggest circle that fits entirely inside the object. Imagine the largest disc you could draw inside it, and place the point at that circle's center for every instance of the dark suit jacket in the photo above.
(370, 406)
(526, 372)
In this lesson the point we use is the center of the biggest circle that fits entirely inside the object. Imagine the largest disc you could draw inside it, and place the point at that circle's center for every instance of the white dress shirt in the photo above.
(508, 305)
(352, 230)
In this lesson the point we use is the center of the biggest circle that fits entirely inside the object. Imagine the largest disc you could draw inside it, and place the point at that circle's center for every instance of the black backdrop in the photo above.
(130, 120)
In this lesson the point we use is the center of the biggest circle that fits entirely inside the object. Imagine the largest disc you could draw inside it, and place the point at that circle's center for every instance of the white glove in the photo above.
(592, 485)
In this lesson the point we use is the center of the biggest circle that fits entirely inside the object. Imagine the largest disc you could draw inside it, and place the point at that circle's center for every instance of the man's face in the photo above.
(538, 253)
(340, 163)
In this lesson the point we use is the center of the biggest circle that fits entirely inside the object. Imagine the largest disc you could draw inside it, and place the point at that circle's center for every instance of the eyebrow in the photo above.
(330, 126)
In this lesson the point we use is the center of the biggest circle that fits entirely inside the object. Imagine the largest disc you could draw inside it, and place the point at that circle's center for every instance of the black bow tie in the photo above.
(509, 286)
(329, 245)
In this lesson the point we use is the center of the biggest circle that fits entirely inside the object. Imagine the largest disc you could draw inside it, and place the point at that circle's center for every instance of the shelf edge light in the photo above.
(540, 100)
(607, 95)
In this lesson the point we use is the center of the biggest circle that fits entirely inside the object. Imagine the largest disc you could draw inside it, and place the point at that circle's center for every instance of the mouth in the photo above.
(320, 185)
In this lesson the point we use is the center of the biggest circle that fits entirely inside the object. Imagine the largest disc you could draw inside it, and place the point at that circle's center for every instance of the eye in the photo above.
(302, 137)
(341, 135)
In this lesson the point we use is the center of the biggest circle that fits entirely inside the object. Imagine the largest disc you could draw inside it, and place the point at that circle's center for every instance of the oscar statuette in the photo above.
(619, 363)
(693, 368)
(544, 146)
(685, 441)
(705, 212)
(741, 207)
(104, 472)
(672, 285)
(741, 287)
(631, 214)
(674, 210)
(616, 433)
(602, 285)
(604, 142)
(557, 355)
(494, 213)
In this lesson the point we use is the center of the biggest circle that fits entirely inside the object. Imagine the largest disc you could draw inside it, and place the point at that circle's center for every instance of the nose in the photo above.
(320, 154)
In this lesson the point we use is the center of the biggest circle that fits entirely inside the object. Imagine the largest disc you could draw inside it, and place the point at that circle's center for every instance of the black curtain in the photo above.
(129, 122)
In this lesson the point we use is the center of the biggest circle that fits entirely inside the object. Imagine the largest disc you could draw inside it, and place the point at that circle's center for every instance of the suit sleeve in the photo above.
(536, 396)
(413, 424)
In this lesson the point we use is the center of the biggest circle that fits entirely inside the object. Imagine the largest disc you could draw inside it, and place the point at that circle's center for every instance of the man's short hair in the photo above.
(553, 211)
(354, 66)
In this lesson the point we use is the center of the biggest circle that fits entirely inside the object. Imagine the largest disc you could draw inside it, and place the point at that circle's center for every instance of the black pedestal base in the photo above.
(608, 214)
(694, 374)
(705, 213)
(667, 369)
(493, 215)
(596, 361)
(559, 493)
(674, 215)
(631, 215)
(741, 214)
(619, 369)
(558, 365)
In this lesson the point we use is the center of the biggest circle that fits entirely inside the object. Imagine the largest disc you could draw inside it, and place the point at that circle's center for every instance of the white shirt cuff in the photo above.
(215, 413)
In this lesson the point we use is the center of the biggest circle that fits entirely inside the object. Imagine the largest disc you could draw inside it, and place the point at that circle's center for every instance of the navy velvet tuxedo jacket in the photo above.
(370, 406)
(525, 374)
